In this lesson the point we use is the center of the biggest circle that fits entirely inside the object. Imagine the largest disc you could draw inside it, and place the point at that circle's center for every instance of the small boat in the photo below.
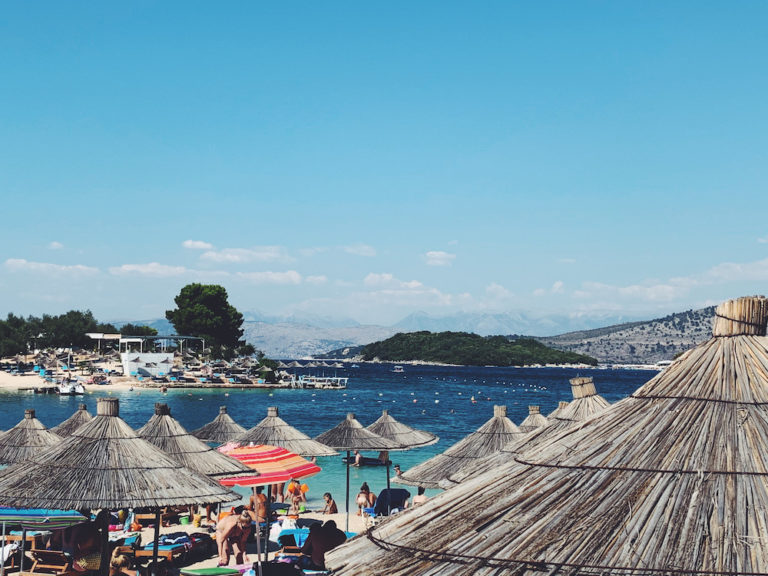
(355, 366)
(71, 388)
(320, 382)
(398, 369)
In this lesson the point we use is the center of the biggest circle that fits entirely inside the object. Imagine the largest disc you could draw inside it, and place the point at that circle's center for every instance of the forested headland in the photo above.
(469, 349)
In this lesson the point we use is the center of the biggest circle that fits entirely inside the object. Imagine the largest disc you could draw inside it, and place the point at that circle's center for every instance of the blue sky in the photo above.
(369, 160)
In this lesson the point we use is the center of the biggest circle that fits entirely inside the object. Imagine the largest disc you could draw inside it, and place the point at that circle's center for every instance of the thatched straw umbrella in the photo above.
(26, 439)
(274, 431)
(552, 415)
(534, 420)
(586, 404)
(103, 464)
(80, 417)
(220, 430)
(166, 433)
(349, 435)
(387, 427)
(672, 480)
(487, 439)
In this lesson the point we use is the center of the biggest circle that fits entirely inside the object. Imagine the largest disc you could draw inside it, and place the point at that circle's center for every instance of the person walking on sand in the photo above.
(231, 536)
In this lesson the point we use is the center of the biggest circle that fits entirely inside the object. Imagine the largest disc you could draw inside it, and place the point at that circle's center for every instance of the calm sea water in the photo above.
(434, 398)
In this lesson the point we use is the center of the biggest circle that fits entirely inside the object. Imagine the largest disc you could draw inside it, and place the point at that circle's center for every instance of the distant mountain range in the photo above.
(619, 340)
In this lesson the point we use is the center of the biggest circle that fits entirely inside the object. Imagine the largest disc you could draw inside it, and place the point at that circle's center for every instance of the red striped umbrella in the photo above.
(273, 463)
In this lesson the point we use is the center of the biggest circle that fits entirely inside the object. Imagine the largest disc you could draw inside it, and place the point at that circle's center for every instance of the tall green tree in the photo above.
(203, 310)
(137, 330)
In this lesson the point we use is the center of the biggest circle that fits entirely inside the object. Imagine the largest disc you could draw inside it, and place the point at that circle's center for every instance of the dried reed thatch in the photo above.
(220, 430)
(103, 464)
(672, 480)
(489, 438)
(80, 417)
(534, 420)
(554, 414)
(387, 427)
(349, 434)
(26, 439)
(586, 404)
(166, 433)
(274, 431)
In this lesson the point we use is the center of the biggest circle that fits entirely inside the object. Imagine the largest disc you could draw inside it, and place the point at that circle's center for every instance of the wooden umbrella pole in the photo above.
(389, 504)
(347, 529)
(156, 543)
(104, 527)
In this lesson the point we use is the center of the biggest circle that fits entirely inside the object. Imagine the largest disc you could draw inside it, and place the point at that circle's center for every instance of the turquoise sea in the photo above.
(434, 398)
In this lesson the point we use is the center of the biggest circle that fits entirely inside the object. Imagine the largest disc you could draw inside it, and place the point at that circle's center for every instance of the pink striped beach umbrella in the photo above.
(273, 464)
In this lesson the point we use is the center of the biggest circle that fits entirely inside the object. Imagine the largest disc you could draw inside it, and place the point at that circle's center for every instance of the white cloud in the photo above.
(374, 279)
(360, 250)
(557, 287)
(21, 265)
(763, 240)
(311, 251)
(150, 269)
(498, 292)
(197, 245)
(55, 245)
(267, 277)
(243, 255)
(316, 280)
(439, 258)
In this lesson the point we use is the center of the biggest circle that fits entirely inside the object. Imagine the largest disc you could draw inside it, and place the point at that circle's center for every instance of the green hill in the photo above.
(469, 349)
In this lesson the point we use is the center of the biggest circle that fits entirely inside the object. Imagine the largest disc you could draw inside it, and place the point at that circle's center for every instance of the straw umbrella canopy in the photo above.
(387, 427)
(349, 435)
(587, 403)
(274, 431)
(166, 433)
(552, 415)
(220, 430)
(487, 439)
(80, 417)
(104, 464)
(26, 439)
(672, 480)
(534, 420)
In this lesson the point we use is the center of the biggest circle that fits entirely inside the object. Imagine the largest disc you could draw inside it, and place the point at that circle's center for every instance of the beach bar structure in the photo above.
(672, 480)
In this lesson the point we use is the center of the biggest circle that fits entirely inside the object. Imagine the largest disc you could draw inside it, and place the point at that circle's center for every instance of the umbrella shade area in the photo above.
(387, 427)
(220, 430)
(274, 431)
(670, 480)
(40, 518)
(24, 440)
(273, 465)
(168, 435)
(487, 439)
(80, 417)
(104, 464)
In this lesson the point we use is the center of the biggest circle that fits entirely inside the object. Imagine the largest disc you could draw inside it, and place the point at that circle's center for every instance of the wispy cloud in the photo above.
(245, 255)
(268, 277)
(360, 250)
(763, 240)
(497, 292)
(154, 269)
(55, 245)
(316, 280)
(21, 265)
(197, 245)
(439, 258)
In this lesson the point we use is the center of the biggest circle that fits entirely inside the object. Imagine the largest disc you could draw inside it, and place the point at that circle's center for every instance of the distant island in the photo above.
(468, 349)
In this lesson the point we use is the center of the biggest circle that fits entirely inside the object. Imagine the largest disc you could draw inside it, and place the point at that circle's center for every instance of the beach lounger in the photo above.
(50, 562)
